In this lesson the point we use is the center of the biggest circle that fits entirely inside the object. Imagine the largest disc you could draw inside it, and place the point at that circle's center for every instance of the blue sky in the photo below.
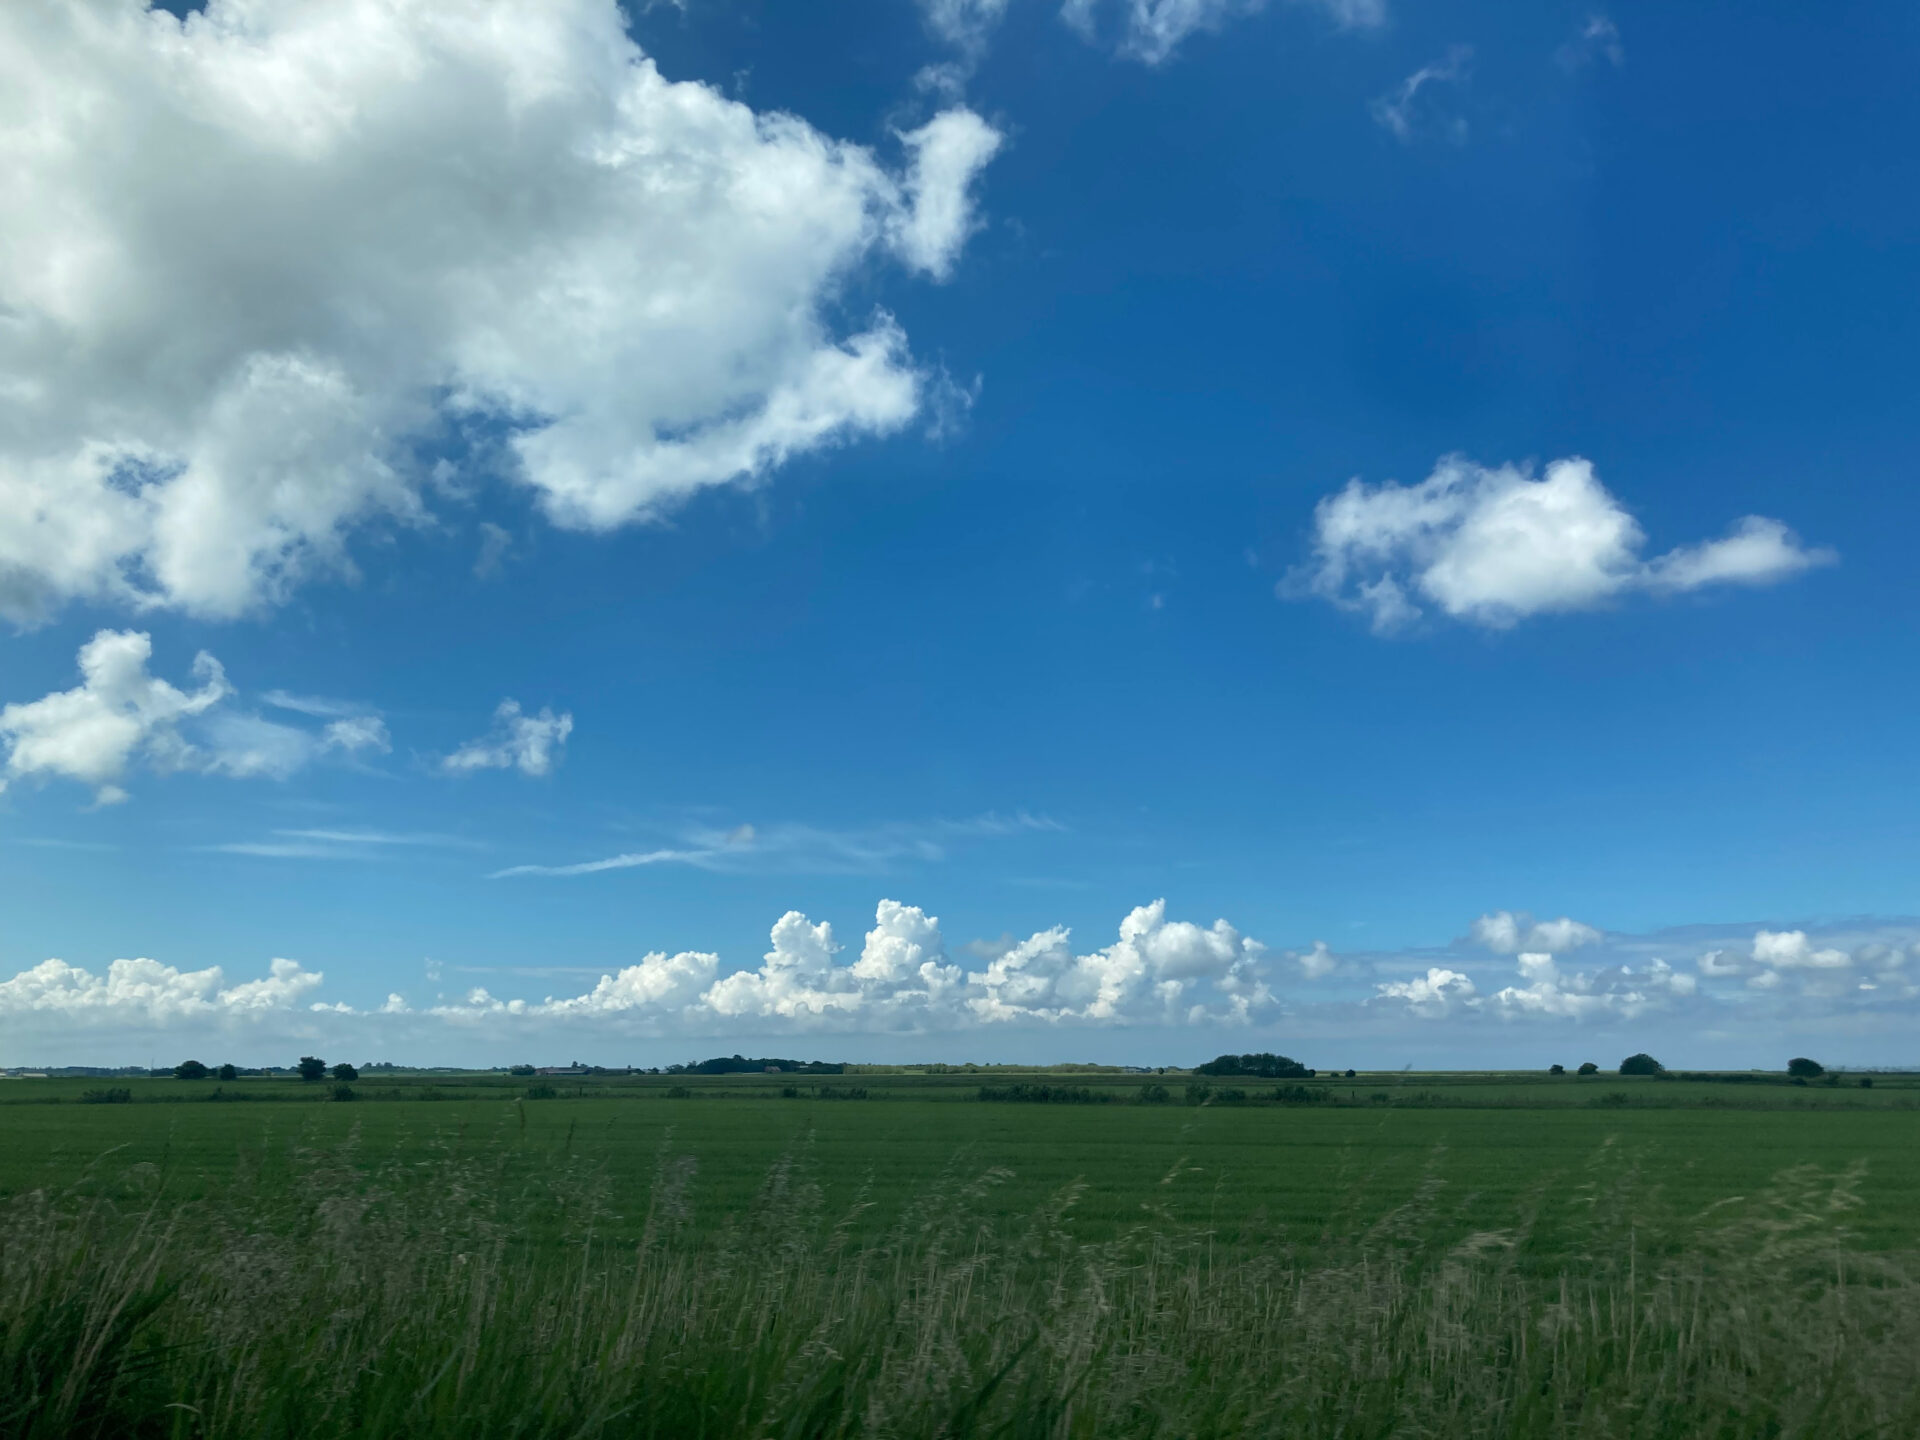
(1352, 471)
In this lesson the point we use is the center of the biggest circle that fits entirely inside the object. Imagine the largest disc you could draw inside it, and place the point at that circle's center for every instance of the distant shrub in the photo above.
(1263, 1064)
(1556, 1070)
(1155, 1095)
(344, 1091)
(1029, 1094)
(542, 1092)
(227, 1072)
(1587, 1067)
(522, 1071)
(1229, 1095)
(1802, 1068)
(115, 1096)
(1641, 1064)
(750, 1065)
(190, 1070)
(840, 1092)
(344, 1072)
(1379, 1097)
(1612, 1099)
(1199, 1094)
(679, 1092)
(1866, 1082)
(1349, 1072)
(1299, 1094)
(789, 1092)
(312, 1067)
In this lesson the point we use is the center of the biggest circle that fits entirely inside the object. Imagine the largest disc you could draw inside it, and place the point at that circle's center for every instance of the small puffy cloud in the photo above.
(1791, 950)
(1150, 31)
(1506, 932)
(118, 714)
(948, 151)
(1494, 546)
(121, 716)
(1317, 963)
(144, 993)
(531, 744)
(1410, 109)
(255, 254)
(1438, 993)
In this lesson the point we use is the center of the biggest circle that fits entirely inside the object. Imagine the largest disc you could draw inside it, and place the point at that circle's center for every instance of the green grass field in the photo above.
(1401, 1254)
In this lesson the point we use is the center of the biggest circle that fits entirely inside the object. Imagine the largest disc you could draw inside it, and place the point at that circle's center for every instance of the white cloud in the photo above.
(807, 849)
(1436, 994)
(1506, 932)
(531, 744)
(1152, 30)
(147, 993)
(1317, 963)
(120, 716)
(1617, 991)
(1599, 38)
(1494, 546)
(249, 258)
(948, 151)
(1410, 108)
(1791, 950)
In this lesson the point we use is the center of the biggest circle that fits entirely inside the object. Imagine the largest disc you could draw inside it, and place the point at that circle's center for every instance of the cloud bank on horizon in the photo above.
(1159, 974)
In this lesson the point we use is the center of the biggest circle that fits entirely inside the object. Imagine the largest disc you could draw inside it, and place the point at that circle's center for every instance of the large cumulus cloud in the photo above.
(255, 262)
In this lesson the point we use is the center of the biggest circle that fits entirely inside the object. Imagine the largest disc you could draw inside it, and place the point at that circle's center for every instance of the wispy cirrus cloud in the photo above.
(795, 848)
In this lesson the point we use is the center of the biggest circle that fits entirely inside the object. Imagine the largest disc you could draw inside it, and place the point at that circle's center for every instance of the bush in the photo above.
(114, 1096)
(542, 1092)
(344, 1072)
(1802, 1068)
(1642, 1064)
(1349, 1072)
(1556, 1070)
(840, 1092)
(679, 1092)
(522, 1071)
(1027, 1094)
(227, 1072)
(1866, 1082)
(190, 1070)
(344, 1092)
(1587, 1067)
(311, 1068)
(1155, 1095)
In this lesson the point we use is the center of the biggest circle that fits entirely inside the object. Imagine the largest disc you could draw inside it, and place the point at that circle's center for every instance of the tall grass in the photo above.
(338, 1298)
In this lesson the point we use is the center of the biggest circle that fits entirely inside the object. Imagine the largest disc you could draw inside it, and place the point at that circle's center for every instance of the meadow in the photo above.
(769, 1255)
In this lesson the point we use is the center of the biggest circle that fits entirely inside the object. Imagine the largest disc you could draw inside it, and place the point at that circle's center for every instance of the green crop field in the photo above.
(893, 1252)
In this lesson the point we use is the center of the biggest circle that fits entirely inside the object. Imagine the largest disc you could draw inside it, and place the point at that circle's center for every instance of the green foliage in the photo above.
(190, 1070)
(522, 1071)
(1641, 1064)
(1587, 1067)
(114, 1095)
(1802, 1068)
(342, 1091)
(1262, 1064)
(227, 1072)
(744, 1065)
(1155, 1095)
(542, 1092)
(1556, 1070)
(1026, 1094)
(679, 1092)
(311, 1068)
(344, 1072)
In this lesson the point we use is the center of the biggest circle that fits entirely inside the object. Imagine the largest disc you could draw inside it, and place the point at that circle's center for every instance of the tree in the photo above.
(227, 1072)
(190, 1070)
(344, 1072)
(1556, 1070)
(312, 1067)
(1267, 1066)
(1642, 1064)
(1802, 1068)
(1587, 1067)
